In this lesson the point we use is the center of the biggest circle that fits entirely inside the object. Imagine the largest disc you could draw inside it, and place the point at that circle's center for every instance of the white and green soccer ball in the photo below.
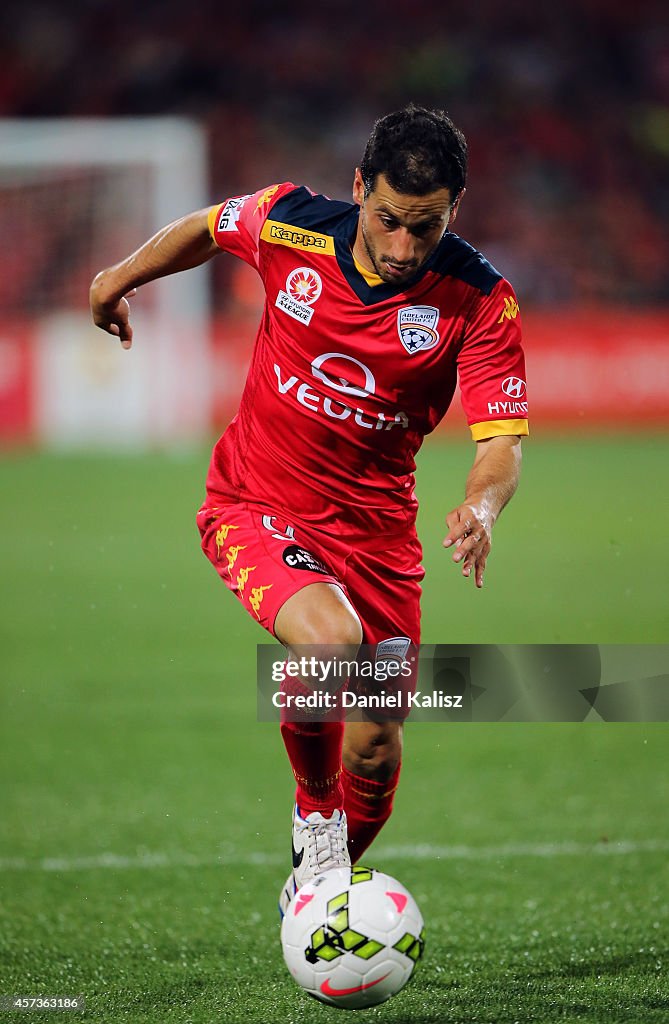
(352, 937)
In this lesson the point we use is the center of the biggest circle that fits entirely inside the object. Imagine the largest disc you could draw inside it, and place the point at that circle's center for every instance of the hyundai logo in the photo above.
(514, 387)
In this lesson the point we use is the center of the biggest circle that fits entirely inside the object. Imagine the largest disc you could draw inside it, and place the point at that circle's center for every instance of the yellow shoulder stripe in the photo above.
(297, 238)
(494, 428)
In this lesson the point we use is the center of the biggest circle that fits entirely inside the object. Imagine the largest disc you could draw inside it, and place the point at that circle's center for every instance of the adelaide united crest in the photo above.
(417, 327)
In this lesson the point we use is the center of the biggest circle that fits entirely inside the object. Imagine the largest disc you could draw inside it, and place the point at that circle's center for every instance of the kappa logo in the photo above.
(222, 536)
(265, 198)
(243, 577)
(232, 554)
(298, 239)
(303, 289)
(510, 311)
(417, 327)
(256, 598)
(277, 233)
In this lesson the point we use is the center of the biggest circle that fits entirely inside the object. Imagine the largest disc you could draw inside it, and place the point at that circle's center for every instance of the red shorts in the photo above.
(264, 559)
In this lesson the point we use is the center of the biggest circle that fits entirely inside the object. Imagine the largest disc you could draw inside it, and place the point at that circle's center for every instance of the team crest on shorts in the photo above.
(393, 649)
(417, 327)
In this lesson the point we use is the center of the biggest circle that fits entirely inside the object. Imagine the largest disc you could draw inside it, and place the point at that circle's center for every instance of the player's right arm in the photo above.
(184, 244)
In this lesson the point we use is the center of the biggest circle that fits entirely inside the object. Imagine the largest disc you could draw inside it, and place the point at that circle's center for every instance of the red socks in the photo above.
(368, 805)
(314, 751)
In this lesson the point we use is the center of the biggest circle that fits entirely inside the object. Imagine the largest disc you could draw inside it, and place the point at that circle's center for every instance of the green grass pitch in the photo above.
(145, 813)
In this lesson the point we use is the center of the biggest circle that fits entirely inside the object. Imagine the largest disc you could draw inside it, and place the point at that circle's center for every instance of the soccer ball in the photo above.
(352, 937)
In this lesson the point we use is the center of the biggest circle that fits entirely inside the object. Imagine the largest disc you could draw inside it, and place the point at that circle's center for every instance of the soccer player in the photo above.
(373, 310)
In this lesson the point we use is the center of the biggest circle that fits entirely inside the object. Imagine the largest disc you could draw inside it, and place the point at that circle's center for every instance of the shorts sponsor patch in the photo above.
(296, 557)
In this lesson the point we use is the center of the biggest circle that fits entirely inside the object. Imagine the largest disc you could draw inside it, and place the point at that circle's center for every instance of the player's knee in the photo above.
(320, 619)
(339, 630)
(341, 633)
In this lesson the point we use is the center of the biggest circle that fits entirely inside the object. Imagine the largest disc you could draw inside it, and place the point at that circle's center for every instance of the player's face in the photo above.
(397, 233)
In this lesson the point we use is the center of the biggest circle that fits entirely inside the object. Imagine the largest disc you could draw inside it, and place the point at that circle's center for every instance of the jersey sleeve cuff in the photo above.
(496, 428)
(211, 221)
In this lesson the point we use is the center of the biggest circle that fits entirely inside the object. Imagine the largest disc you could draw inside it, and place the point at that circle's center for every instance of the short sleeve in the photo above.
(236, 223)
(491, 367)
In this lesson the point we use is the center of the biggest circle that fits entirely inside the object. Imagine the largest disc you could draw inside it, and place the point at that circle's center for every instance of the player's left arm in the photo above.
(491, 484)
(181, 245)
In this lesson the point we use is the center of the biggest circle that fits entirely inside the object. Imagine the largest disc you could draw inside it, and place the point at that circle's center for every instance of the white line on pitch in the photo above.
(424, 851)
(565, 849)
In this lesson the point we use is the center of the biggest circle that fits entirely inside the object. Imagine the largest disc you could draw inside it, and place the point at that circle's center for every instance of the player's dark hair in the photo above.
(418, 150)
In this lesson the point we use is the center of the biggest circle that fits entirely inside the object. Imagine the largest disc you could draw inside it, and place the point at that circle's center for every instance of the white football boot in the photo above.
(318, 844)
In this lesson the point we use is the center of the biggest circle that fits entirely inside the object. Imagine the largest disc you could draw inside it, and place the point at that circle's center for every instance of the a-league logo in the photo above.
(417, 327)
(303, 289)
(304, 285)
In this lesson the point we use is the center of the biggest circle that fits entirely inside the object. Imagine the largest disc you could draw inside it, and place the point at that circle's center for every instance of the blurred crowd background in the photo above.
(565, 106)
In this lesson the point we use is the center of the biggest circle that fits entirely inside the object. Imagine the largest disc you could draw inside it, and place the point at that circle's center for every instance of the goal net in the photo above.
(76, 196)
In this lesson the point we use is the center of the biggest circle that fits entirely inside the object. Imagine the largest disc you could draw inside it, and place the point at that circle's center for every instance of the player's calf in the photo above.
(372, 756)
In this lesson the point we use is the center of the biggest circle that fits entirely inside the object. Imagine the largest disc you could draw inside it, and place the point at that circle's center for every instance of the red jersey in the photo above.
(348, 376)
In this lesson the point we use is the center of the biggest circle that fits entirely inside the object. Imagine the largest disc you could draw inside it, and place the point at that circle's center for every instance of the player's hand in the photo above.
(469, 530)
(113, 317)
